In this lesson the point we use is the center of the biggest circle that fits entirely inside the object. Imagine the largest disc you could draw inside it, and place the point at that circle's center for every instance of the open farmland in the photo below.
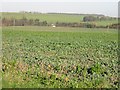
(53, 18)
(59, 57)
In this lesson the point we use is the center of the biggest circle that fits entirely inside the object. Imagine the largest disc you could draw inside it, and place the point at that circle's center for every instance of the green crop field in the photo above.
(59, 57)
(53, 18)
(104, 23)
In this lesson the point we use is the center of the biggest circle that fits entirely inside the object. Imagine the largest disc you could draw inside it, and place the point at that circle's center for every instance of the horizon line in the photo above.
(38, 12)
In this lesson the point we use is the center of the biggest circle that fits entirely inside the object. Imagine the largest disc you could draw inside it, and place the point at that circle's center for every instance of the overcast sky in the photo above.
(87, 7)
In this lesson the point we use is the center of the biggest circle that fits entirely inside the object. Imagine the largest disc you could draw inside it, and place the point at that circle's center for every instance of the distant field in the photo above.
(36, 57)
(104, 23)
(53, 18)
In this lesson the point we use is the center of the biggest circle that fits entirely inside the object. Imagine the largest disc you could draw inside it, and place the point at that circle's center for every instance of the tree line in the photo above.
(23, 22)
(97, 18)
(37, 22)
(87, 25)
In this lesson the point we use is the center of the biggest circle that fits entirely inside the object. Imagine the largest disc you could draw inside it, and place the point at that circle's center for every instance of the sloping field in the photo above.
(53, 18)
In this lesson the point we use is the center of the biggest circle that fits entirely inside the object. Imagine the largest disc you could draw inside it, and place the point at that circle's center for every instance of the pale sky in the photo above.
(60, 1)
(63, 6)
